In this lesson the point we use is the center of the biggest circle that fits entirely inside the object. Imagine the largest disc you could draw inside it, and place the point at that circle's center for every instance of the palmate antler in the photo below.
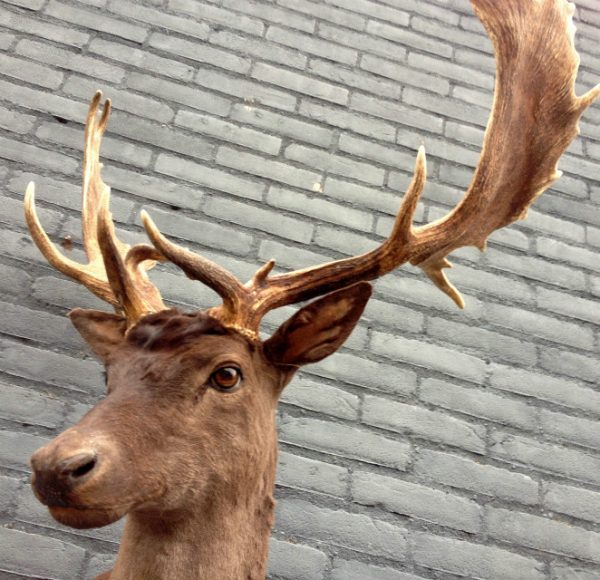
(534, 118)
(115, 272)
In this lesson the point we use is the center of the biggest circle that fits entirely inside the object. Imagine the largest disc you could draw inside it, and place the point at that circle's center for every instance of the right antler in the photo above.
(115, 272)
(534, 118)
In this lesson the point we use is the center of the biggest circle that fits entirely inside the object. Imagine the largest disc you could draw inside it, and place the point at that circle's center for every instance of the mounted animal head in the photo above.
(189, 412)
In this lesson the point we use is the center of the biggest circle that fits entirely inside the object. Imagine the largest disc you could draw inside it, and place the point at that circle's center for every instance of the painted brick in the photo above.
(141, 59)
(258, 48)
(29, 406)
(580, 503)
(29, 4)
(569, 463)
(204, 11)
(568, 305)
(394, 315)
(459, 557)
(370, 8)
(303, 473)
(543, 534)
(344, 441)
(15, 450)
(416, 501)
(354, 531)
(565, 253)
(571, 364)
(300, 83)
(353, 570)
(571, 429)
(406, 37)
(464, 473)
(96, 21)
(8, 492)
(362, 195)
(28, 71)
(225, 131)
(293, 561)
(201, 53)
(561, 571)
(323, 398)
(324, 12)
(32, 155)
(454, 35)
(271, 13)
(423, 423)
(479, 404)
(37, 556)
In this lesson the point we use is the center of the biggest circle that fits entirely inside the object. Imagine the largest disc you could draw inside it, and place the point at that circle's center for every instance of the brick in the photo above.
(561, 571)
(259, 218)
(362, 195)
(396, 112)
(370, 127)
(258, 48)
(367, 42)
(322, 398)
(464, 473)
(371, 9)
(6, 39)
(226, 131)
(568, 305)
(296, 562)
(336, 164)
(300, 83)
(537, 269)
(569, 208)
(532, 323)
(404, 74)
(545, 387)
(29, 406)
(308, 474)
(447, 15)
(416, 501)
(547, 224)
(312, 45)
(15, 450)
(202, 11)
(423, 423)
(557, 250)
(32, 155)
(115, 149)
(353, 570)
(462, 558)
(318, 208)
(26, 70)
(14, 280)
(406, 37)
(8, 491)
(126, 101)
(449, 34)
(570, 429)
(160, 18)
(51, 368)
(366, 373)
(252, 93)
(353, 531)
(100, 563)
(11, 210)
(202, 231)
(28, 4)
(582, 367)
(96, 21)
(324, 12)
(271, 13)
(545, 457)
(282, 125)
(344, 441)
(141, 59)
(495, 345)
(395, 316)
(543, 534)
(185, 95)
(430, 356)
(199, 52)
(580, 503)
(267, 168)
(37, 556)
(209, 177)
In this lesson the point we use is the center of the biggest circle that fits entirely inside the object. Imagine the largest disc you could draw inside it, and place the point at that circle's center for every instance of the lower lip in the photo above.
(83, 518)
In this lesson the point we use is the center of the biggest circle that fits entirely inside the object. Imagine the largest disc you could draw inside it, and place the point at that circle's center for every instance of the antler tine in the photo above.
(114, 272)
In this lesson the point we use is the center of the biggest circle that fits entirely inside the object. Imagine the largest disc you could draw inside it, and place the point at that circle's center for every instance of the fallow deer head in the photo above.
(186, 432)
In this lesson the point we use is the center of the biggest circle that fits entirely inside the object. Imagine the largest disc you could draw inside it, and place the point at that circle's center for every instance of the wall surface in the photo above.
(437, 443)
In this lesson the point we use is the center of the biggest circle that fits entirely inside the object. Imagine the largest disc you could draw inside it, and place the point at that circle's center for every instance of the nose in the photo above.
(55, 477)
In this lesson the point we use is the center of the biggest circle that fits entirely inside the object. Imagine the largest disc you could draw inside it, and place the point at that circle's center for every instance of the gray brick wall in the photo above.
(437, 443)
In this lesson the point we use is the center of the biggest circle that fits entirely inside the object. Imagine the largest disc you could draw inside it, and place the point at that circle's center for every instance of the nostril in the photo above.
(79, 465)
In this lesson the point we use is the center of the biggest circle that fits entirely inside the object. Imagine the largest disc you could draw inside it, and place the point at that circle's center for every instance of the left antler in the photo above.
(534, 118)
(115, 272)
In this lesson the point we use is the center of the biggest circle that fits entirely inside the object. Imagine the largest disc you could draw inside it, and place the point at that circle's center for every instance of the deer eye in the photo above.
(226, 378)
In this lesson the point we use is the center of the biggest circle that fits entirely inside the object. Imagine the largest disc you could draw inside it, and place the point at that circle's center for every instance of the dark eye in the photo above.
(226, 378)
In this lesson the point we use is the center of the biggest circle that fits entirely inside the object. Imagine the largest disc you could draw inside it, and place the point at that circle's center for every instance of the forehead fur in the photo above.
(173, 328)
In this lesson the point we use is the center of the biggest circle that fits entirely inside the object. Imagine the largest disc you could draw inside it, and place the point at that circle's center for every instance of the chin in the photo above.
(85, 518)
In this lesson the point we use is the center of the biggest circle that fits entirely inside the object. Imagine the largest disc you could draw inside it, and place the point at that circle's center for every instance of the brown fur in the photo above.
(193, 467)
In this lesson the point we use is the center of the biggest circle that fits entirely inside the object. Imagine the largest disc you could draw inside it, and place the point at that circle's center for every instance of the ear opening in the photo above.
(318, 329)
(103, 331)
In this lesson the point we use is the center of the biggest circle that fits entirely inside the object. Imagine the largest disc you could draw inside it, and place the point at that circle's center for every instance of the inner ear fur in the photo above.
(103, 331)
(318, 329)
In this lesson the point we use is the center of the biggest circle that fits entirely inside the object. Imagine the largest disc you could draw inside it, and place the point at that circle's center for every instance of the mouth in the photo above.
(84, 518)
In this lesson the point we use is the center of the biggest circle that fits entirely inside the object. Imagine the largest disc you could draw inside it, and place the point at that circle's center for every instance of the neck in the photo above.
(225, 538)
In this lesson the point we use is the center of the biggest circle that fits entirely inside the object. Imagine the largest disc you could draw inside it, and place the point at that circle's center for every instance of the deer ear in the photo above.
(103, 331)
(318, 329)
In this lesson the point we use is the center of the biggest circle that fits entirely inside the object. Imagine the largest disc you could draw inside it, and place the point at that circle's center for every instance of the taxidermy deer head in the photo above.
(185, 440)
